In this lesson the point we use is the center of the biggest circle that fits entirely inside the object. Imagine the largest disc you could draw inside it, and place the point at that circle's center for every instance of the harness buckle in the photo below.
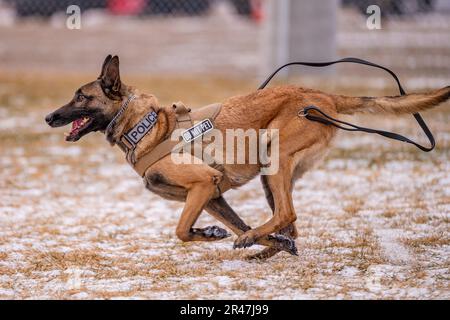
(302, 113)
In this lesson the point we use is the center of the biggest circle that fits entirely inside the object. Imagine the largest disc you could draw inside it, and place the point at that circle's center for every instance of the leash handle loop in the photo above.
(328, 120)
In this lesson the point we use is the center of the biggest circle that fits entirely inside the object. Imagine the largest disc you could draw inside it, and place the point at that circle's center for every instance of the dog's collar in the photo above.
(123, 108)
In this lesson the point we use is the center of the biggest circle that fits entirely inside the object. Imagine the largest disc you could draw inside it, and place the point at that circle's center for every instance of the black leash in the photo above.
(328, 120)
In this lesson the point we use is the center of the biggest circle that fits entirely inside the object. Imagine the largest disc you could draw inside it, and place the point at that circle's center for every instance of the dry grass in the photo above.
(389, 213)
(354, 206)
(434, 240)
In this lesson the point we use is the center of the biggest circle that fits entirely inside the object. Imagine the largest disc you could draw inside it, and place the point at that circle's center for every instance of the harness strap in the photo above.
(328, 120)
(160, 151)
(184, 120)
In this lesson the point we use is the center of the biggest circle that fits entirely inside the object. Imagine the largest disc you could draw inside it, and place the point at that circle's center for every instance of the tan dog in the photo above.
(302, 143)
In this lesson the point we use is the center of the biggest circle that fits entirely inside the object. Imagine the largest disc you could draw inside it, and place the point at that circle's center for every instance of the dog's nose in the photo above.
(49, 118)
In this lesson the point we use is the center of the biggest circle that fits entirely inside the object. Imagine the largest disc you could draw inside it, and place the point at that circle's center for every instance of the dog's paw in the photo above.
(285, 243)
(245, 240)
(212, 232)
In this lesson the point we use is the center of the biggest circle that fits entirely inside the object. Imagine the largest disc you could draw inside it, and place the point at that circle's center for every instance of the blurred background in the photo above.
(237, 38)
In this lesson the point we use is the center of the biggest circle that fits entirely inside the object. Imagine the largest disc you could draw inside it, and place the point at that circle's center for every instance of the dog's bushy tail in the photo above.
(410, 103)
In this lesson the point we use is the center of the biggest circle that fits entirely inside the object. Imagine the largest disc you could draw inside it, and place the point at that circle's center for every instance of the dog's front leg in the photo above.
(198, 196)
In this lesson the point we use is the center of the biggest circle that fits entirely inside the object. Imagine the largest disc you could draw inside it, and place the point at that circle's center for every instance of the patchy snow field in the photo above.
(77, 223)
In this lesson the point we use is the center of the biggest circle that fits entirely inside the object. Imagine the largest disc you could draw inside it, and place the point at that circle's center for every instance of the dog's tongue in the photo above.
(76, 124)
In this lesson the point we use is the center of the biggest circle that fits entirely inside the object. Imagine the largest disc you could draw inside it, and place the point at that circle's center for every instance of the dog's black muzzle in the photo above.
(56, 120)
(51, 118)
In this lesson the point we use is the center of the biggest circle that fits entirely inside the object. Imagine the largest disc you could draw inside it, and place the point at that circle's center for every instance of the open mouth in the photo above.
(77, 126)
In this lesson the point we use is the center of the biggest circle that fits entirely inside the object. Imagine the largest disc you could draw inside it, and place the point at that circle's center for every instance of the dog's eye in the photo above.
(80, 98)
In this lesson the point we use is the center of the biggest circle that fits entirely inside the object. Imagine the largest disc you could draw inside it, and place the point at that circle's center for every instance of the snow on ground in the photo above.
(77, 223)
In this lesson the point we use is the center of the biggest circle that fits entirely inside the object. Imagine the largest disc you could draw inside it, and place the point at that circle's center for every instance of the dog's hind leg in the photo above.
(221, 210)
(284, 214)
(290, 231)
(281, 186)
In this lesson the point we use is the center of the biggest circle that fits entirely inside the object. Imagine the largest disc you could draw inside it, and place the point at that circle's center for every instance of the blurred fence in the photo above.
(225, 37)
(46, 8)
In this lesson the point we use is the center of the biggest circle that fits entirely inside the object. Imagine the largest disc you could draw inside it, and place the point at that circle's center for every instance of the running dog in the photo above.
(302, 144)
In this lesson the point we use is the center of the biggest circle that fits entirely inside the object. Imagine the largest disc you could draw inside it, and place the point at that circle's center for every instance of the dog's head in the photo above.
(94, 104)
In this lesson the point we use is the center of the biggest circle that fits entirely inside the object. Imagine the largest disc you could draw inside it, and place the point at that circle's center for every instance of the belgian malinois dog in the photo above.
(302, 144)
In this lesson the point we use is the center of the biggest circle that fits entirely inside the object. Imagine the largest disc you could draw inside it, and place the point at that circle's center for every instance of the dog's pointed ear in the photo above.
(110, 77)
(105, 63)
